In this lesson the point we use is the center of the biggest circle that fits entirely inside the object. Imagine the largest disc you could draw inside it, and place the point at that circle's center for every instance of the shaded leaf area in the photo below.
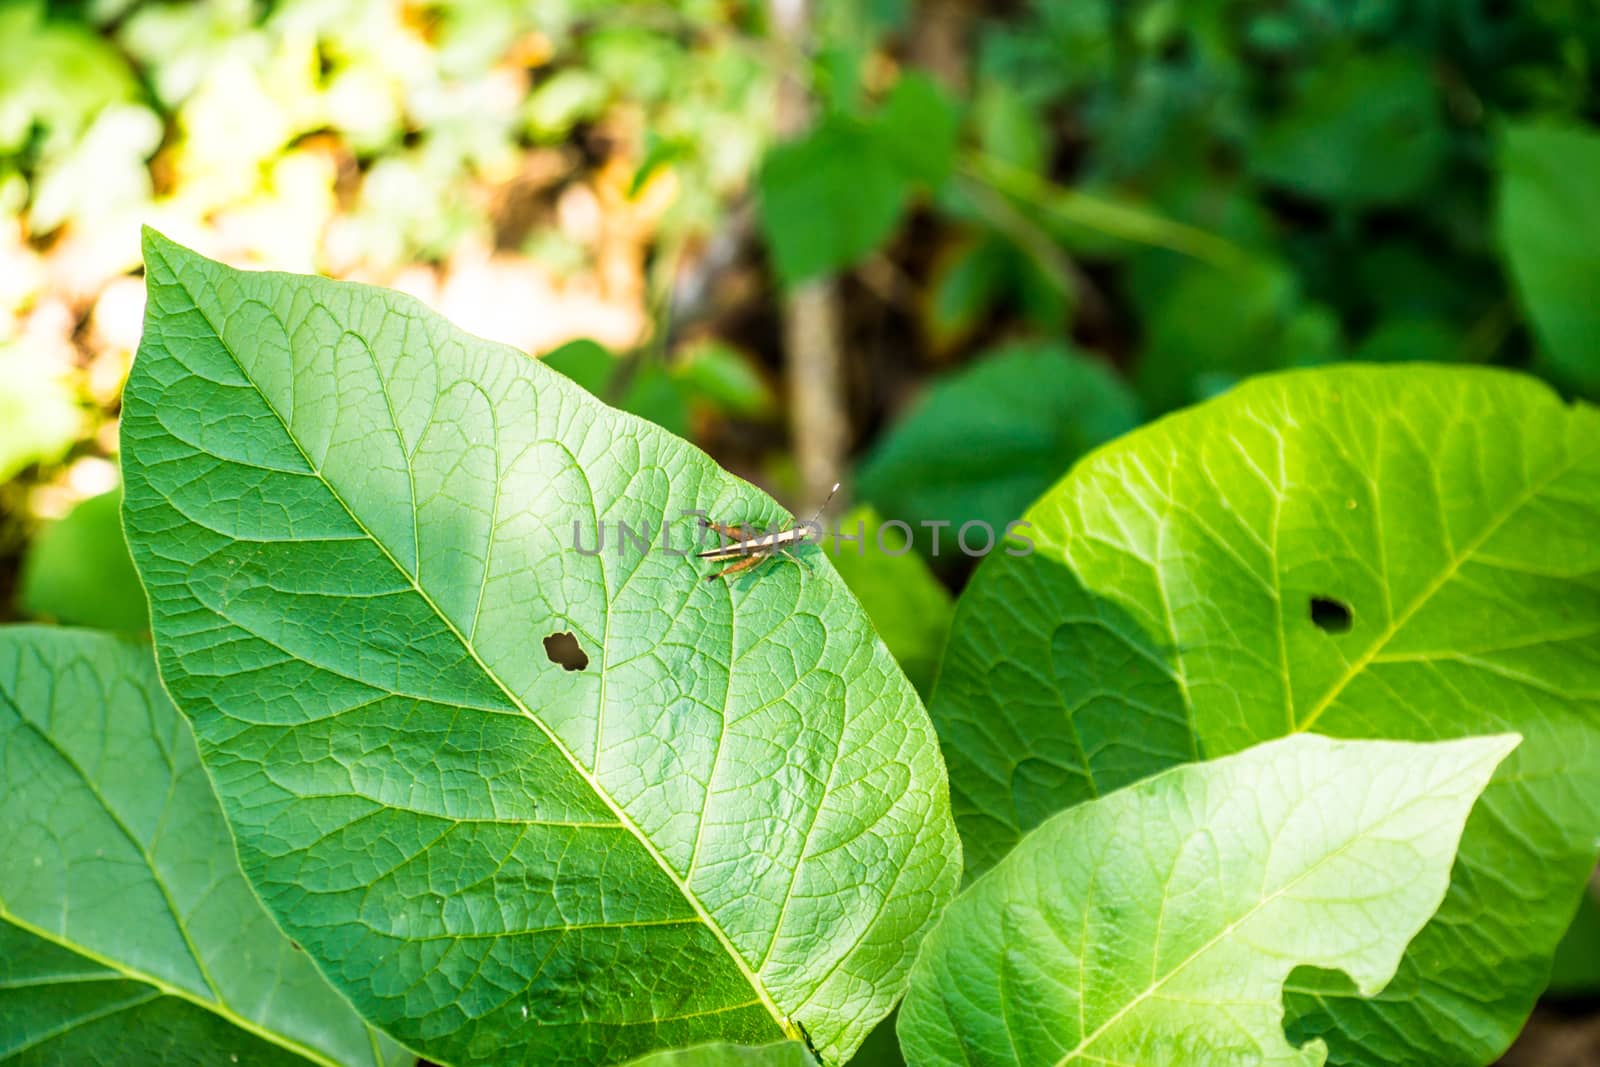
(1048, 695)
(356, 525)
(981, 445)
(1549, 220)
(127, 932)
(78, 571)
(1453, 513)
(57, 1007)
(908, 606)
(1576, 967)
(1361, 130)
(1209, 327)
(784, 1054)
(1157, 925)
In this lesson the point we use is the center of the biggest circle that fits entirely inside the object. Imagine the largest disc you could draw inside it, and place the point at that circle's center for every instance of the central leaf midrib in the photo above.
(1451, 569)
(622, 816)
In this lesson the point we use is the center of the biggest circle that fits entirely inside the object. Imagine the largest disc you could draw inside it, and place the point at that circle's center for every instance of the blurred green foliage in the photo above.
(981, 445)
(835, 194)
(707, 380)
(1576, 970)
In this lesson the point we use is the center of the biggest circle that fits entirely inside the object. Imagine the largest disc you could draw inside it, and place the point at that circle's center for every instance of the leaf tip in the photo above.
(156, 246)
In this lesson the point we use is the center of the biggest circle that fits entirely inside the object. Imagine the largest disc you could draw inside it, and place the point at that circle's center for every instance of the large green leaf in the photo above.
(358, 526)
(1157, 925)
(1549, 222)
(127, 932)
(1400, 552)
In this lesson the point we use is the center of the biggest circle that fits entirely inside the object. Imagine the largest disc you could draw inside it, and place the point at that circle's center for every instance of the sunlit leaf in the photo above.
(1156, 925)
(1367, 552)
(718, 812)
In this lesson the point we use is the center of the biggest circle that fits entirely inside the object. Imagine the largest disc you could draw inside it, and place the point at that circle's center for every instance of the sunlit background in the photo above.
(934, 249)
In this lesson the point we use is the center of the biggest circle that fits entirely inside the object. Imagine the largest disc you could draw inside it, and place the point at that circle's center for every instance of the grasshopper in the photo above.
(751, 549)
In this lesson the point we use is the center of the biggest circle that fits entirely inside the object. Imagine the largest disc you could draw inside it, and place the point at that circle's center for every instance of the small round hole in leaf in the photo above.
(564, 650)
(1330, 616)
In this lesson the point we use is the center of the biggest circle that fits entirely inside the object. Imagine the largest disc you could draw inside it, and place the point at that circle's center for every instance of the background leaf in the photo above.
(1575, 971)
(1450, 517)
(127, 933)
(78, 571)
(830, 197)
(1549, 219)
(1362, 130)
(356, 525)
(1156, 925)
(982, 444)
(1211, 326)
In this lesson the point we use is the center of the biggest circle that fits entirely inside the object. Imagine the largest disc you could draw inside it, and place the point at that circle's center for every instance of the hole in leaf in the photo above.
(563, 649)
(1330, 616)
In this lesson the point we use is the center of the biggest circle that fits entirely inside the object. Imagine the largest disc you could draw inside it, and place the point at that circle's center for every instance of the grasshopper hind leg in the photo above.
(743, 565)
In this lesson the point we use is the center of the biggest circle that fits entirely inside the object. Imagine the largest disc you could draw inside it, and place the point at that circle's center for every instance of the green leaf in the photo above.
(906, 603)
(983, 443)
(1549, 223)
(1156, 925)
(966, 282)
(709, 376)
(828, 199)
(569, 97)
(918, 126)
(784, 1054)
(127, 932)
(357, 527)
(1363, 131)
(1180, 577)
(1411, 341)
(832, 196)
(77, 571)
(720, 376)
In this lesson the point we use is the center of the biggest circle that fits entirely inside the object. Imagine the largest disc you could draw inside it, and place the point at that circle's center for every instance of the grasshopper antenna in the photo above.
(828, 500)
